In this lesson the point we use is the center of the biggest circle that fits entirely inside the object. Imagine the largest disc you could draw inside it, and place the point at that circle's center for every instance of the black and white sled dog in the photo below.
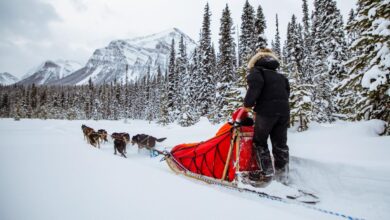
(145, 141)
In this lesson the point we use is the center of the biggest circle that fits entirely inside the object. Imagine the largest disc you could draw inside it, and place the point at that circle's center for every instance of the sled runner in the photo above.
(227, 159)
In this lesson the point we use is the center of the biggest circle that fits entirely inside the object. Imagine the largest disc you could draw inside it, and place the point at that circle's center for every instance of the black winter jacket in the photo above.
(268, 90)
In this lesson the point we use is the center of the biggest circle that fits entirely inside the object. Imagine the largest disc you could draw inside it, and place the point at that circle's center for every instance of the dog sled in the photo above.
(227, 159)
(223, 158)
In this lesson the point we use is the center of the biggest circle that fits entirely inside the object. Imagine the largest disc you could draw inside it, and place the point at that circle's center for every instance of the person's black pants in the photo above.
(276, 127)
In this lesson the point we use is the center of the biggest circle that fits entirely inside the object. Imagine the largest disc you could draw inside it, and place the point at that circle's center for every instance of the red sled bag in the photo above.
(222, 157)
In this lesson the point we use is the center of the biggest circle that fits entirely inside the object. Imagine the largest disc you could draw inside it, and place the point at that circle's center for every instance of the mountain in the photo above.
(131, 57)
(50, 71)
(7, 79)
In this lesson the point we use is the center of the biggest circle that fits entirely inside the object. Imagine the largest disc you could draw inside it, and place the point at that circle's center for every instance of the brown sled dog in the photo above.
(123, 135)
(86, 131)
(120, 142)
(94, 139)
(120, 146)
(102, 135)
(145, 141)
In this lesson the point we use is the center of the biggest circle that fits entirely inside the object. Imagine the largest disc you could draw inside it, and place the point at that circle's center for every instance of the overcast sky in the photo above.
(32, 31)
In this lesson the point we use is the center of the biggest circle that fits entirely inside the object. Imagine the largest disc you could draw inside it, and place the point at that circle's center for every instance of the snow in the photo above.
(373, 78)
(138, 54)
(382, 27)
(67, 67)
(7, 79)
(92, 76)
(164, 37)
(50, 71)
(32, 71)
(48, 171)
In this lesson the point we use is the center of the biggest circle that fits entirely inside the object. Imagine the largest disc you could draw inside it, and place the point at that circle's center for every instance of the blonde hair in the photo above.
(262, 52)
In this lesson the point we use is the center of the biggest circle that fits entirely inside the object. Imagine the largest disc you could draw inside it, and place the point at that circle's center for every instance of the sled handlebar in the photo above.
(241, 111)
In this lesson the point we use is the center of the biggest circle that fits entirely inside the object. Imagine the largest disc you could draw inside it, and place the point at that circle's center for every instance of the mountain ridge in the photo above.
(127, 59)
(7, 78)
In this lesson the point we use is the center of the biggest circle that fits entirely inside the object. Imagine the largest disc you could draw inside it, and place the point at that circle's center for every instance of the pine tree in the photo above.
(226, 74)
(181, 71)
(172, 85)
(300, 98)
(260, 26)
(293, 51)
(164, 110)
(247, 38)
(369, 74)
(185, 117)
(206, 68)
(276, 45)
(352, 35)
(300, 101)
(307, 62)
(194, 82)
(328, 49)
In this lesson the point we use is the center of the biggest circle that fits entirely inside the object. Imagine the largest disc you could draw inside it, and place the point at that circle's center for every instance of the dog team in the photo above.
(120, 139)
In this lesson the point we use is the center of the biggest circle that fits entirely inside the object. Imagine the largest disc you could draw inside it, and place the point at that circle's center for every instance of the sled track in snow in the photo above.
(173, 166)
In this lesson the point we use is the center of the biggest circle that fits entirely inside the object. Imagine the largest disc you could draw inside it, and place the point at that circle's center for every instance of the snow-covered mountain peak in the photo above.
(49, 71)
(153, 40)
(7, 78)
(129, 59)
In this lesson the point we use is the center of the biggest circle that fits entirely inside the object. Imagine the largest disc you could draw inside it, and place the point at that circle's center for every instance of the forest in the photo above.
(336, 71)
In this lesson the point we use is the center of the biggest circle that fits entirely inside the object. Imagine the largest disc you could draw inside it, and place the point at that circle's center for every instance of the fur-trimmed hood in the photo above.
(264, 58)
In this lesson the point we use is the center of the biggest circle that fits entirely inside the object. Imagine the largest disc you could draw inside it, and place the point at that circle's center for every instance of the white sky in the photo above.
(32, 31)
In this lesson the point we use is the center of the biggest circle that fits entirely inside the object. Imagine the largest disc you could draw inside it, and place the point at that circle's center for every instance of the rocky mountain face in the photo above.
(128, 59)
(49, 72)
(7, 79)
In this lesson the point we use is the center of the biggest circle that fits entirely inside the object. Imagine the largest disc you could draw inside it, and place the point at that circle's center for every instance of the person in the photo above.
(268, 92)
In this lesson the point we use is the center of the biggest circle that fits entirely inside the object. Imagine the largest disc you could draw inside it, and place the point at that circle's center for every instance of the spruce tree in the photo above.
(194, 82)
(260, 26)
(247, 38)
(328, 49)
(276, 46)
(185, 117)
(300, 102)
(172, 84)
(206, 68)
(164, 100)
(307, 62)
(227, 92)
(300, 98)
(369, 74)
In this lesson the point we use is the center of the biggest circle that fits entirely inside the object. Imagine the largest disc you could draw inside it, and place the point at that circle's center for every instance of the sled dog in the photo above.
(145, 141)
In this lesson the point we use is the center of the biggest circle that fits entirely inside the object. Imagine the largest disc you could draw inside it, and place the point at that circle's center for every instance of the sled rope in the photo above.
(171, 161)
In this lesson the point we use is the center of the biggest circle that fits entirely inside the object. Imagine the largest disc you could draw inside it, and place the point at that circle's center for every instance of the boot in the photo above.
(281, 174)
(264, 162)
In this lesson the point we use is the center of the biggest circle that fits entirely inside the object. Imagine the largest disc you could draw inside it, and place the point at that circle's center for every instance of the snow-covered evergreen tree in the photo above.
(353, 34)
(300, 98)
(276, 47)
(172, 85)
(206, 87)
(164, 109)
(294, 48)
(185, 117)
(370, 70)
(328, 49)
(260, 26)
(247, 42)
(307, 62)
(300, 101)
(226, 70)
(194, 82)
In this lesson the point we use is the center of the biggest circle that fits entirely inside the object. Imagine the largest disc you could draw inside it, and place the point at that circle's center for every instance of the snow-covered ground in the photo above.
(47, 171)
